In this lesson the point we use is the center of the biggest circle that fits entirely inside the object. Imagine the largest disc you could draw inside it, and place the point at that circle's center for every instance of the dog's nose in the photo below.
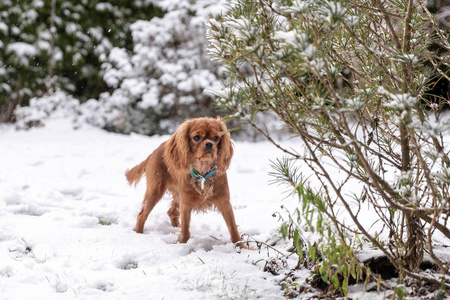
(208, 145)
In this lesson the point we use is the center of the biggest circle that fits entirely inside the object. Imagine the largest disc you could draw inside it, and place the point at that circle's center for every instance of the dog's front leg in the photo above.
(224, 206)
(185, 214)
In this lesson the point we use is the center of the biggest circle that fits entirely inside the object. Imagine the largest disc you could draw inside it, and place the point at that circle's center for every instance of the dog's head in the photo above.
(202, 143)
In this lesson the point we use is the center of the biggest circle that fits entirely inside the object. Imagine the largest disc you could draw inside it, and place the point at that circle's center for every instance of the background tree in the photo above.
(135, 66)
(349, 79)
(162, 81)
(83, 32)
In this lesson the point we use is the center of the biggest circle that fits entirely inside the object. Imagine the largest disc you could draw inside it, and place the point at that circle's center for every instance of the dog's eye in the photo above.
(197, 138)
(216, 139)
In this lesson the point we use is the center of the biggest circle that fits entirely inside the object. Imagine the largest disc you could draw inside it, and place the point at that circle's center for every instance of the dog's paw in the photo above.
(183, 238)
(241, 245)
(175, 222)
(141, 230)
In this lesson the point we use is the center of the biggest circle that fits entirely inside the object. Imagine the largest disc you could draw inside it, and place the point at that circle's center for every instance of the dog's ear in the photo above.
(225, 148)
(176, 151)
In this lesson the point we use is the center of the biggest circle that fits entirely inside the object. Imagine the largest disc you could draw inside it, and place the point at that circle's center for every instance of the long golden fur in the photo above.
(202, 145)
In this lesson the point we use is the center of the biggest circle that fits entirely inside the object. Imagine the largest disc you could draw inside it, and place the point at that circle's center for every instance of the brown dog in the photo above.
(192, 166)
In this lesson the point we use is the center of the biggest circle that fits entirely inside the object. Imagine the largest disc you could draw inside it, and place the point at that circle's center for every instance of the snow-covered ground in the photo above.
(67, 218)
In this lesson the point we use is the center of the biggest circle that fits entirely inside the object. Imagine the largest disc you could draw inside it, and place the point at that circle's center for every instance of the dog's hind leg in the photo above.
(152, 196)
(174, 211)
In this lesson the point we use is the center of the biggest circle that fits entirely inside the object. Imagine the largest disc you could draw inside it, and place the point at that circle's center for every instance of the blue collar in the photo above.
(201, 178)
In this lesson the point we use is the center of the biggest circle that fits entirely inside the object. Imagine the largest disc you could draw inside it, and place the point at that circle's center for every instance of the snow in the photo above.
(150, 98)
(22, 51)
(67, 218)
(71, 27)
(3, 27)
(298, 6)
(398, 101)
(166, 67)
(104, 6)
(333, 10)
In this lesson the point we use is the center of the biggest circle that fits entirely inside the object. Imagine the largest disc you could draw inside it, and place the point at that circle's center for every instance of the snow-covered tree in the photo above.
(64, 42)
(20, 51)
(349, 79)
(163, 79)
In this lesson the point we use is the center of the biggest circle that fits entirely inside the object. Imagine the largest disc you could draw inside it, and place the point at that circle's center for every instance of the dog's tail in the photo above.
(135, 174)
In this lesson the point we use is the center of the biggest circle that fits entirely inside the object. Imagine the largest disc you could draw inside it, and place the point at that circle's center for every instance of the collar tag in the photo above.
(201, 178)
